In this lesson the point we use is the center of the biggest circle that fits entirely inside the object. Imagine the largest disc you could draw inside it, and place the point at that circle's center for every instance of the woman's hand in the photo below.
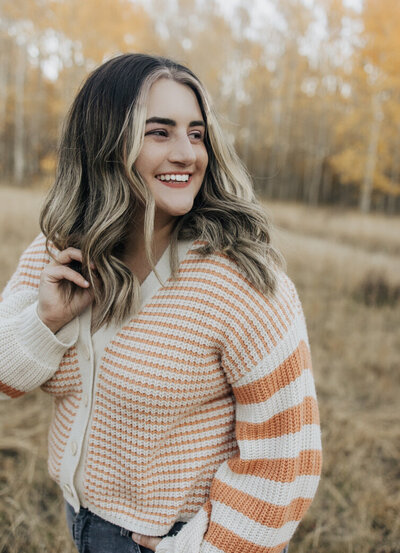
(146, 541)
(53, 310)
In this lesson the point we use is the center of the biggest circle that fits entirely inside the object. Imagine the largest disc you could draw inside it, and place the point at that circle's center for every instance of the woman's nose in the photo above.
(182, 151)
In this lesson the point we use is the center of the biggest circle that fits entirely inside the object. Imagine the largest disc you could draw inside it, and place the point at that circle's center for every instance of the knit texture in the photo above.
(205, 409)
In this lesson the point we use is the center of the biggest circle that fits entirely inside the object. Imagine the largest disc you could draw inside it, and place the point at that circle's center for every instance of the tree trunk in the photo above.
(4, 60)
(19, 153)
(367, 186)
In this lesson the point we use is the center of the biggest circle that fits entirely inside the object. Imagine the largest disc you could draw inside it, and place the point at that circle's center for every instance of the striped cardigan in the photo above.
(204, 410)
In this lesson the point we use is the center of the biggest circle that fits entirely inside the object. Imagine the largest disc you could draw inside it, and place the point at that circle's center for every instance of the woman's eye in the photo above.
(196, 135)
(158, 132)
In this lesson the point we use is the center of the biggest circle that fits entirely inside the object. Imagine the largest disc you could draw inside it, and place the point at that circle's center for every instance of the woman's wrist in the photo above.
(53, 325)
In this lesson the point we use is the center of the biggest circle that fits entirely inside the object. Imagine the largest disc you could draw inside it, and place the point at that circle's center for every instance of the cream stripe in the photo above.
(280, 493)
(196, 451)
(249, 529)
(283, 399)
(278, 355)
(209, 548)
(183, 438)
(284, 447)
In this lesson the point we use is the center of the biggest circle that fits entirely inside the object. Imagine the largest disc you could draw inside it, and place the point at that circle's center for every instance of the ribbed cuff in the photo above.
(40, 342)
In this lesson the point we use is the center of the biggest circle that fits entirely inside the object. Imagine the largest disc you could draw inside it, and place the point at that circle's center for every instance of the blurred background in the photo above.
(308, 92)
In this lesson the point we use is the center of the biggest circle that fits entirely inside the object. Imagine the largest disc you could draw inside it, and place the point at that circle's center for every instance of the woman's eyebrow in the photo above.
(172, 123)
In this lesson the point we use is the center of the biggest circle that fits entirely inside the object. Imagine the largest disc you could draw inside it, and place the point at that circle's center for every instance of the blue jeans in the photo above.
(93, 534)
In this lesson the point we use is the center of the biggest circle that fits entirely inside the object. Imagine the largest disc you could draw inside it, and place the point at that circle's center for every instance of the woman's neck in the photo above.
(134, 252)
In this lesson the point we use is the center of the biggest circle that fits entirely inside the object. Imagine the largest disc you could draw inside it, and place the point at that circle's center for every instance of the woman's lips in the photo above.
(175, 184)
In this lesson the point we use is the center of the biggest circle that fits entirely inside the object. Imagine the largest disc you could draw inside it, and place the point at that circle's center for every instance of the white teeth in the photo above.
(178, 178)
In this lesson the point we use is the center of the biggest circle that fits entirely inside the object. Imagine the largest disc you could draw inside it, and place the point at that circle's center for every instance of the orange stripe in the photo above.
(126, 469)
(33, 259)
(66, 376)
(135, 455)
(66, 411)
(58, 419)
(229, 542)
(68, 366)
(308, 463)
(25, 283)
(127, 439)
(265, 387)
(244, 337)
(163, 400)
(158, 334)
(150, 488)
(190, 388)
(233, 307)
(265, 513)
(236, 287)
(104, 505)
(33, 277)
(217, 274)
(137, 328)
(61, 390)
(152, 493)
(161, 367)
(104, 401)
(71, 412)
(289, 302)
(9, 391)
(196, 332)
(160, 465)
(173, 327)
(289, 421)
(114, 414)
(57, 449)
(175, 348)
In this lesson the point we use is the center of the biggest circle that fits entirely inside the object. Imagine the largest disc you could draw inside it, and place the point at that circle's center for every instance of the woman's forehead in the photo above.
(170, 99)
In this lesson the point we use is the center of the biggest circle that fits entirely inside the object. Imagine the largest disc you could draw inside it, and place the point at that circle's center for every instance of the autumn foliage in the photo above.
(308, 91)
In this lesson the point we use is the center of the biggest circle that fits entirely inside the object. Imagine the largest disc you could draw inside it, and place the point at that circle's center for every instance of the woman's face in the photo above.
(173, 159)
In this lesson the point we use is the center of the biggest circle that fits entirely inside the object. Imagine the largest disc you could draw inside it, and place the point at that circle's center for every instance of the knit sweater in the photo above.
(205, 407)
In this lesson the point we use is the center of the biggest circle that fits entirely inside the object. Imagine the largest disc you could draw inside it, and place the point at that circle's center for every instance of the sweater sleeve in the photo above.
(29, 352)
(259, 496)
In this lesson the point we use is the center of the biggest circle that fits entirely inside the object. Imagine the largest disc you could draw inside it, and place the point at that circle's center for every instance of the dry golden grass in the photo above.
(356, 350)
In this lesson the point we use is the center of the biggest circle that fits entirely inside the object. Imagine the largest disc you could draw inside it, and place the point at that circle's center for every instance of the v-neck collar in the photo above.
(148, 289)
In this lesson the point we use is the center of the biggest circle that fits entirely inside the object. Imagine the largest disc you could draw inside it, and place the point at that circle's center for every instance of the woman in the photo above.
(155, 310)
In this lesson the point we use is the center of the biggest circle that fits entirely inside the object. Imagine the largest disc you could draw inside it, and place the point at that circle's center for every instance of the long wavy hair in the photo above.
(97, 190)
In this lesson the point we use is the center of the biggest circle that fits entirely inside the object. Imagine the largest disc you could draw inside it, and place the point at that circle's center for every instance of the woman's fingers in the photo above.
(71, 254)
(61, 272)
(53, 309)
(68, 255)
(146, 541)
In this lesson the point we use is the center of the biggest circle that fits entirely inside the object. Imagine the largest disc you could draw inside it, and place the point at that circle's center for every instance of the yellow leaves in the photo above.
(349, 164)
(101, 27)
(48, 164)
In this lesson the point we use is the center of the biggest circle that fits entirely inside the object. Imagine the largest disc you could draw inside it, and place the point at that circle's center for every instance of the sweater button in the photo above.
(74, 448)
(85, 400)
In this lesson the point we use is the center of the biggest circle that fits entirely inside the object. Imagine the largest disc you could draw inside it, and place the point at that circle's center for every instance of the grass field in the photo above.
(347, 271)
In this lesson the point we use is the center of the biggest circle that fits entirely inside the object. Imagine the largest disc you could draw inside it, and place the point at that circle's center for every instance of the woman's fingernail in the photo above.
(135, 537)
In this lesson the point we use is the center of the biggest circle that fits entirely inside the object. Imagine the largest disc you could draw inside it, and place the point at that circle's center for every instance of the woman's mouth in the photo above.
(175, 180)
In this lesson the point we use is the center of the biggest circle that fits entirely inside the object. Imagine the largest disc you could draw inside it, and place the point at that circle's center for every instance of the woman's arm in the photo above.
(36, 326)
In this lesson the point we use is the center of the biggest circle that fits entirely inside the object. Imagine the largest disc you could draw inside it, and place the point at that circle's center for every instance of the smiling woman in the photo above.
(173, 158)
(155, 310)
